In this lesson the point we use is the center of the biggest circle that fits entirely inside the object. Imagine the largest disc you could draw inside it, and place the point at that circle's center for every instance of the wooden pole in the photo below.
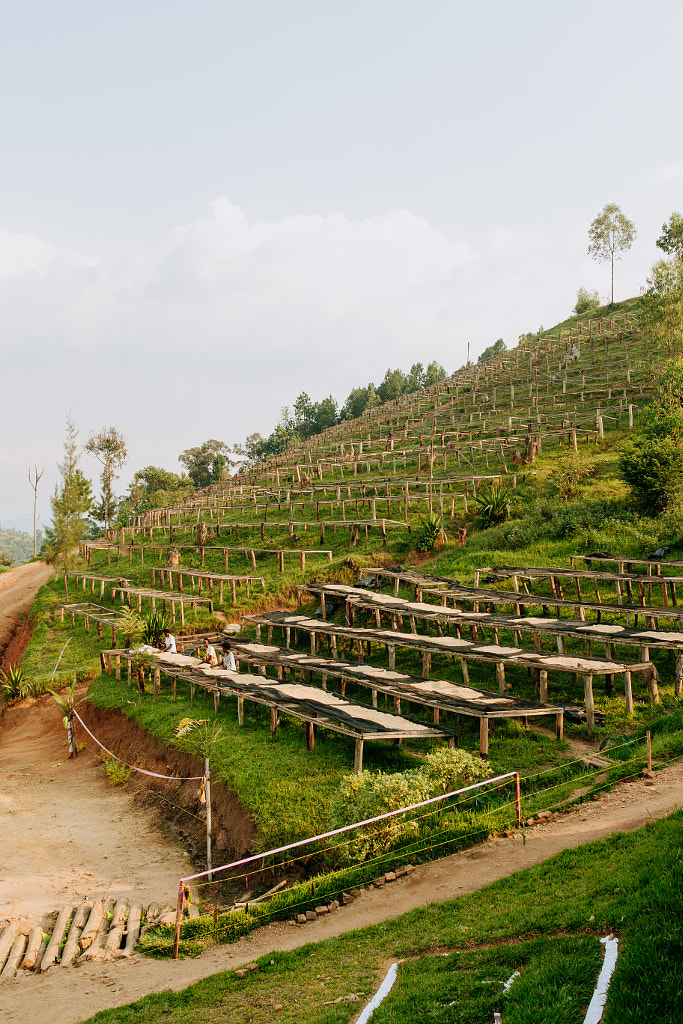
(649, 750)
(207, 777)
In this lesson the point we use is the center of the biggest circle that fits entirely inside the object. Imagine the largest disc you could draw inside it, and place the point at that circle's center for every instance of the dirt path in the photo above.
(18, 587)
(77, 993)
(65, 832)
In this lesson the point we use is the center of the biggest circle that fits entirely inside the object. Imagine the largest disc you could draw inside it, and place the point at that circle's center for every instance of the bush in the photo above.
(431, 533)
(586, 300)
(369, 794)
(569, 470)
(653, 469)
(493, 505)
(14, 683)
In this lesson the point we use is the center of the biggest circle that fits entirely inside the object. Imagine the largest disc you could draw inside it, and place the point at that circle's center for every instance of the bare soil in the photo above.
(18, 587)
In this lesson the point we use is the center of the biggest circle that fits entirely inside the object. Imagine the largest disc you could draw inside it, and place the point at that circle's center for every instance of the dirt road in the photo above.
(18, 587)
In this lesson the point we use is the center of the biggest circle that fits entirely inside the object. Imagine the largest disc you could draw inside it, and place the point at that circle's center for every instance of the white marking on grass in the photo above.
(381, 994)
(597, 1003)
(508, 984)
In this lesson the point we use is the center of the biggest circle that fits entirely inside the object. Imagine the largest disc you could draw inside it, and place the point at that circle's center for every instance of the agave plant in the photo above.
(493, 505)
(14, 683)
(153, 629)
(431, 533)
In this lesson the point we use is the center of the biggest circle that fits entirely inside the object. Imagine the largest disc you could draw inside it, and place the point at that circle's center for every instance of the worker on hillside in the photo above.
(210, 657)
(169, 642)
(228, 658)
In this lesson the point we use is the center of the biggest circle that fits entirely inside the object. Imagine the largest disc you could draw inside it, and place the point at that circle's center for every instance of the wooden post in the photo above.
(358, 757)
(273, 723)
(484, 736)
(500, 676)
(310, 736)
(559, 725)
(649, 750)
(590, 707)
(543, 686)
(207, 780)
(240, 710)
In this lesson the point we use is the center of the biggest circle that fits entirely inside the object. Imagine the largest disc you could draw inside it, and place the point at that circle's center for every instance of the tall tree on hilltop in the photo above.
(610, 235)
(109, 448)
(71, 502)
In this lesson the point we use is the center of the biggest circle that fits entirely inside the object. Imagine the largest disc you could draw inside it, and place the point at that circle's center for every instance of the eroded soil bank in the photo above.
(67, 832)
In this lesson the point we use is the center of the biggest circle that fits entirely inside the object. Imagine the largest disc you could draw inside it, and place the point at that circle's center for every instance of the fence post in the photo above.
(207, 775)
(178, 917)
(518, 800)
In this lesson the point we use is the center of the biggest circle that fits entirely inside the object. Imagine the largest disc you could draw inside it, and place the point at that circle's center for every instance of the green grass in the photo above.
(543, 921)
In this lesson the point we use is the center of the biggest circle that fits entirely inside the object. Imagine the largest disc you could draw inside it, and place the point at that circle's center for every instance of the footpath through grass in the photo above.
(544, 922)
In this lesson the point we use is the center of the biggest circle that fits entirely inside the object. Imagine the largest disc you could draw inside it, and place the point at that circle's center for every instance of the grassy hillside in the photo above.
(580, 385)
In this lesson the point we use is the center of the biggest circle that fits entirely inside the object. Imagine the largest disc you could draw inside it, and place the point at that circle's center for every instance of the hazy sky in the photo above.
(209, 207)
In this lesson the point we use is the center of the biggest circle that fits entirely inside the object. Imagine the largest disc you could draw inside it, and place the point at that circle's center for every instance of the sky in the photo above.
(209, 207)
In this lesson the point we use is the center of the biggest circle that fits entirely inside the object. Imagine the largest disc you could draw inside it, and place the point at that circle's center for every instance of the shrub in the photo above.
(431, 533)
(586, 300)
(14, 683)
(493, 505)
(653, 469)
(153, 629)
(369, 794)
(570, 469)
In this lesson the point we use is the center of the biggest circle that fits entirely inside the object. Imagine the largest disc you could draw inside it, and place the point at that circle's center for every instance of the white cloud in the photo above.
(209, 332)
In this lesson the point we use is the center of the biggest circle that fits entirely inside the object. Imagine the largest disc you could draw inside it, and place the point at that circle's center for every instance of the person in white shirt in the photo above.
(228, 658)
(210, 656)
(169, 644)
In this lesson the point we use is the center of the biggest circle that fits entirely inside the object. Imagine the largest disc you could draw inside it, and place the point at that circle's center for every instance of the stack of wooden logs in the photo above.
(101, 929)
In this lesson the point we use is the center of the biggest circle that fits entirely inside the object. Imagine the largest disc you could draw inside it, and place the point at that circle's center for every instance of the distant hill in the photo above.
(17, 544)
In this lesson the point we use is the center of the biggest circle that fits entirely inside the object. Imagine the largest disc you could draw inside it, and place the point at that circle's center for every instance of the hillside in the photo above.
(509, 621)
(17, 544)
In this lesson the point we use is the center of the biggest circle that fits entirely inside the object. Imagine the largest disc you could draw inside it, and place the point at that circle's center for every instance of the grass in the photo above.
(544, 921)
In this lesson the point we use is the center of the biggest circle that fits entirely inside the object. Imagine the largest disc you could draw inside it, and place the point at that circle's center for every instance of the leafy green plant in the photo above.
(431, 533)
(131, 626)
(570, 469)
(117, 772)
(68, 707)
(493, 505)
(153, 628)
(15, 686)
(653, 469)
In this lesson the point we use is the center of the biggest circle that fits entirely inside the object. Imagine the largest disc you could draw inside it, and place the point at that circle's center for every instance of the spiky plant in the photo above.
(493, 505)
(14, 683)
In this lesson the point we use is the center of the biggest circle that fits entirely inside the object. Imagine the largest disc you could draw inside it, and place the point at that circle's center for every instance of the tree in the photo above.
(585, 300)
(109, 448)
(206, 463)
(393, 385)
(71, 502)
(610, 235)
(662, 304)
(492, 351)
(671, 239)
(434, 373)
(34, 485)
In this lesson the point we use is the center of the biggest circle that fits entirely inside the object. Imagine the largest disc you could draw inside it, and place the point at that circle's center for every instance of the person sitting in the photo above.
(228, 658)
(210, 657)
(169, 643)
